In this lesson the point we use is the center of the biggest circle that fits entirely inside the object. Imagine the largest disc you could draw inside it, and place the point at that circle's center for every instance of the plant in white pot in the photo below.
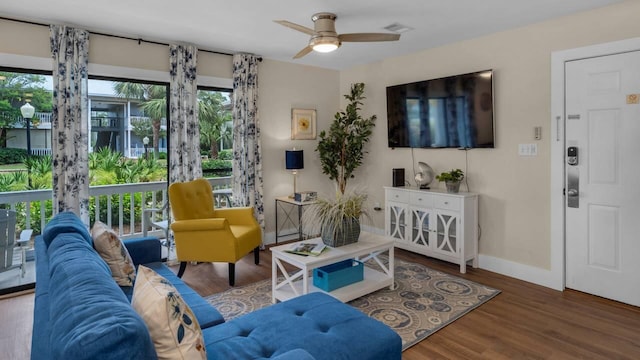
(341, 151)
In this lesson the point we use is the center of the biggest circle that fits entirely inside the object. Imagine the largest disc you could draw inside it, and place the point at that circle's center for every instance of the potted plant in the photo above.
(341, 151)
(452, 179)
(336, 220)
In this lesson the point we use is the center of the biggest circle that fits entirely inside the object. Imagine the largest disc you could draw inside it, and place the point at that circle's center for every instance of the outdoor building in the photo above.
(112, 123)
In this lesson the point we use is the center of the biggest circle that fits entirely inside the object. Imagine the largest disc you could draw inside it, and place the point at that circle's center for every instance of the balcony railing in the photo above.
(109, 203)
(134, 119)
(138, 152)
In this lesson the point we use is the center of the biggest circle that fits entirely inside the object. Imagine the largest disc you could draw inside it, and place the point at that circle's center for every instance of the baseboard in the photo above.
(519, 271)
(512, 269)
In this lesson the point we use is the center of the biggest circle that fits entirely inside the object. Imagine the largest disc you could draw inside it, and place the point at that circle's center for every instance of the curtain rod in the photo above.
(139, 40)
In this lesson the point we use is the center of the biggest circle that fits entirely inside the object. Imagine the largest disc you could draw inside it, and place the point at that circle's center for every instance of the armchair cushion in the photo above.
(191, 200)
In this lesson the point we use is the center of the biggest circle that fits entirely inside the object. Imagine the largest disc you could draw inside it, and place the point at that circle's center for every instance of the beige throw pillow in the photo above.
(114, 253)
(174, 329)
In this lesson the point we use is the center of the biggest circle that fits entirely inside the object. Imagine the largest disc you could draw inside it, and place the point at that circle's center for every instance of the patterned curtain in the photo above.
(247, 153)
(184, 138)
(70, 150)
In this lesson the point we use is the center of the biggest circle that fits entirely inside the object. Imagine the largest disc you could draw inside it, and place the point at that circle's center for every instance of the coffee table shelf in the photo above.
(369, 246)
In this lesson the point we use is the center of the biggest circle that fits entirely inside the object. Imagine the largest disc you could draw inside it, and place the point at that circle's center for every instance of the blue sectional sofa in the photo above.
(81, 313)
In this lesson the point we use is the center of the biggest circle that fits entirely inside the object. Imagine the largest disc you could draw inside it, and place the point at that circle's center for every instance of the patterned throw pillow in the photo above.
(174, 329)
(114, 253)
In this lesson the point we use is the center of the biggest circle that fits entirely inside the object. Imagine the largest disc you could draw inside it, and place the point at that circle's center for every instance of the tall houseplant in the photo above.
(341, 152)
(341, 149)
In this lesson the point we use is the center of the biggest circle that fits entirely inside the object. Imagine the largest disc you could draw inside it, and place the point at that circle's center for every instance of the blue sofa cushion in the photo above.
(297, 354)
(65, 222)
(317, 323)
(90, 317)
(143, 250)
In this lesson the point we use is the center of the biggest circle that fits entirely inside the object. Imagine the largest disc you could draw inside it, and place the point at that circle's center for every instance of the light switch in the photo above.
(528, 149)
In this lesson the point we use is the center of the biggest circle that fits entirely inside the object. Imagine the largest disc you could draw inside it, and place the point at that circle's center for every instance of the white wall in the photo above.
(514, 190)
(284, 86)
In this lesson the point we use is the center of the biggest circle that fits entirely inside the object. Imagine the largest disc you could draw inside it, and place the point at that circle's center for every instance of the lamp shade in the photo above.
(27, 111)
(294, 159)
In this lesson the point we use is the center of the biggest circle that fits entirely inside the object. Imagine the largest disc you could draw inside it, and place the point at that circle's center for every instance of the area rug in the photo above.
(423, 301)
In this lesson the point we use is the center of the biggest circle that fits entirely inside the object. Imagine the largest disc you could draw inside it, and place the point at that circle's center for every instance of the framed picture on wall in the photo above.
(303, 124)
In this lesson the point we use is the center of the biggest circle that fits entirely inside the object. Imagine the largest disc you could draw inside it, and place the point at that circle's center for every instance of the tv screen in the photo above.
(450, 112)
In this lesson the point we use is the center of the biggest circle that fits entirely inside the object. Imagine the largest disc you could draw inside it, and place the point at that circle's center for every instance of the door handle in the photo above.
(573, 187)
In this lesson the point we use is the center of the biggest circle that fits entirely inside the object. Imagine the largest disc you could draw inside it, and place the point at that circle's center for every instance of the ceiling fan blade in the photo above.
(364, 37)
(303, 52)
(293, 26)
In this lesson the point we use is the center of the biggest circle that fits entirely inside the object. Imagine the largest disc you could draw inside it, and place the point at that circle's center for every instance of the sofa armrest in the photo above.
(144, 250)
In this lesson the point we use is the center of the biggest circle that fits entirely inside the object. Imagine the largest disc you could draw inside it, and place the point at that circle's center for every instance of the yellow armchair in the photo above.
(205, 234)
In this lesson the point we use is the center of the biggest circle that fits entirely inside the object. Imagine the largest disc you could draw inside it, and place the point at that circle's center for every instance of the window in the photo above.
(216, 131)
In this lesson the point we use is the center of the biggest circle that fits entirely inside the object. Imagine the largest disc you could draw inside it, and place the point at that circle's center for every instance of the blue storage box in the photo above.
(335, 276)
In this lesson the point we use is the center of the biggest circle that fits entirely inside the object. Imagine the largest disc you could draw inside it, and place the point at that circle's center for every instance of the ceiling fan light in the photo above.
(324, 44)
(325, 48)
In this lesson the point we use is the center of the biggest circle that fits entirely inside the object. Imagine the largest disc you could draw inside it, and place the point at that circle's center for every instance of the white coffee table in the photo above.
(369, 246)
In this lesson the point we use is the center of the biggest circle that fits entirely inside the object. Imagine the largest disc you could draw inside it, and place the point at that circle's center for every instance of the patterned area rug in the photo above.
(423, 301)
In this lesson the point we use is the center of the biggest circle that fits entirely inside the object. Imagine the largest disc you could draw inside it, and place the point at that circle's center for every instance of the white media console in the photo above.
(434, 223)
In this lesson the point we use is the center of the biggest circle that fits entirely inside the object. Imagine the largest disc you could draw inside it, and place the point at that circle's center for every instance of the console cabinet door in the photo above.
(446, 239)
(420, 227)
(397, 221)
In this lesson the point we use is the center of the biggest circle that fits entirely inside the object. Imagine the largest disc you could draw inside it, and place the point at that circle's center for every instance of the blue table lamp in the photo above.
(294, 161)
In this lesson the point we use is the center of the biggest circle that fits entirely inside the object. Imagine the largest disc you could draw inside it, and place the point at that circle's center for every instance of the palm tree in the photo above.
(154, 103)
(214, 115)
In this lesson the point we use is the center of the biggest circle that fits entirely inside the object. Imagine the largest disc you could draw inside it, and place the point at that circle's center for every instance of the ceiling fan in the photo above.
(324, 37)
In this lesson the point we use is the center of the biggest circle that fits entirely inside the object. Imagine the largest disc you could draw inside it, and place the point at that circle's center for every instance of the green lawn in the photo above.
(19, 166)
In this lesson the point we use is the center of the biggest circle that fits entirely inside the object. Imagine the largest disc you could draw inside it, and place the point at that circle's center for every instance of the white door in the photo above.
(603, 186)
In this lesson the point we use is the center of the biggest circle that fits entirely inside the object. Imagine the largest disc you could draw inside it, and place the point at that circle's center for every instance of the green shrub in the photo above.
(115, 204)
(225, 155)
(12, 156)
(162, 155)
(34, 211)
(6, 182)
(216, 164)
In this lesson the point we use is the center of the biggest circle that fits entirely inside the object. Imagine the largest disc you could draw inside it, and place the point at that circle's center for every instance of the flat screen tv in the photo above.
(450, 112)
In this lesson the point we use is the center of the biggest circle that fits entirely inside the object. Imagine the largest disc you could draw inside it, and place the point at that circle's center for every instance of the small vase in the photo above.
(453, 186)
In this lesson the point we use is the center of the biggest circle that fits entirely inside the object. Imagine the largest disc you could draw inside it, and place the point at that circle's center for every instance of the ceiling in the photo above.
(247, 25)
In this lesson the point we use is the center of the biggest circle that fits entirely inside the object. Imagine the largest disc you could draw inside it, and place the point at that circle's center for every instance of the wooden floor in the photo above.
(525, 321)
